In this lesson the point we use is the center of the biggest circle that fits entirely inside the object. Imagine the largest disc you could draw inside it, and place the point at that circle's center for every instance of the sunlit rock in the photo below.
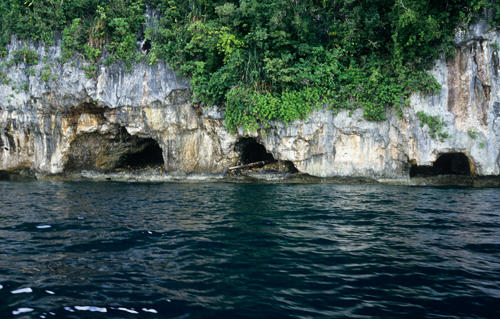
(72, 123)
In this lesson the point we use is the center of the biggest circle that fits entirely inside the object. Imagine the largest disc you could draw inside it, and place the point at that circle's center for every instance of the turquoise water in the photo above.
(224, 250)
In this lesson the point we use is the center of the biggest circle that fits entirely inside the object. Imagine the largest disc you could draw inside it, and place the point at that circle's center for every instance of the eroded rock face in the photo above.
(48, 126)
(469, 104)
(69, 122)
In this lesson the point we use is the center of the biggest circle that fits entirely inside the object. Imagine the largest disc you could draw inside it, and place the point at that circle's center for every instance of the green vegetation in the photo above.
(25, 86)
(472, 134)
(495, 47)
(26, 56)
(46, 73)
(263, 60)
(492, 8)
(30, 72)
(435, 125)
(90, 71)
(5, 80)
(278, 60)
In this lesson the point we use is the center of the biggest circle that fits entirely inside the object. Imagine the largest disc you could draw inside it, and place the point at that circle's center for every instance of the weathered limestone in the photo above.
(70, 122)
(469, 103)
(38, 127)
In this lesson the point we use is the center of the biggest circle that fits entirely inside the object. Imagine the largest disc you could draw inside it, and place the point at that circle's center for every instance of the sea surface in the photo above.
(235, 250)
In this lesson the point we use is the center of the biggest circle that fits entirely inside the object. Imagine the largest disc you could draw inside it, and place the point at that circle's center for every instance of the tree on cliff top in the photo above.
(265, 60)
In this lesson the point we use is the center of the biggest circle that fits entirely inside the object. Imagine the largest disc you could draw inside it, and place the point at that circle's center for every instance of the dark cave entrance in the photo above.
(446, 164)
(145, 153)
(251, 151)
(146, 46)
(111, 150)
(253, 155)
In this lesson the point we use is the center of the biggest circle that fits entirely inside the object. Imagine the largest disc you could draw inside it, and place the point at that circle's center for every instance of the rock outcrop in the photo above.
(53, 119)
(67, 117)
(468, 104)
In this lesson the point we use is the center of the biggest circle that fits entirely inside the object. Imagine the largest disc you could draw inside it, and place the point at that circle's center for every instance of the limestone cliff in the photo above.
(469, 104)
(66, 122)
(71, 121)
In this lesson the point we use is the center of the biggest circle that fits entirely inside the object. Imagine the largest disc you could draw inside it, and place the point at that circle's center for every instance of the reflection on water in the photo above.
(112, 250)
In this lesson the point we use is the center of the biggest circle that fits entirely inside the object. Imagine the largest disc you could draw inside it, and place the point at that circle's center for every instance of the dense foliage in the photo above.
(88, 26)
(265, 60)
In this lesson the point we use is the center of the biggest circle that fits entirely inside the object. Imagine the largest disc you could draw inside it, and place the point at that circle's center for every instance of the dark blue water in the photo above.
(248, 251)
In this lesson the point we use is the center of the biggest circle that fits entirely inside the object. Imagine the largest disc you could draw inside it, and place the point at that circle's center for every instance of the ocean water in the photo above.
(229, 250)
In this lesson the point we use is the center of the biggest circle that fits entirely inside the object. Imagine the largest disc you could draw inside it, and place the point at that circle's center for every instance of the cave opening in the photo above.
(146, 153)
(446, 164)
(287, 166)
(250, 151)
(146, 46)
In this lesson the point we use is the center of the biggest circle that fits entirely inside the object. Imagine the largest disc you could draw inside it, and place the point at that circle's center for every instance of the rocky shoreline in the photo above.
(53, 127)
(159, 175)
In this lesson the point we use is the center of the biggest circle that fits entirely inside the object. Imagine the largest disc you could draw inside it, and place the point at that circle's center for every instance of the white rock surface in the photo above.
(42, 126)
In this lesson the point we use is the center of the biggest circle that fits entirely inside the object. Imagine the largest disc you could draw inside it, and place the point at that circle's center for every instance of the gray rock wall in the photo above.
(469, 104)
(38, 125)
(45, 125)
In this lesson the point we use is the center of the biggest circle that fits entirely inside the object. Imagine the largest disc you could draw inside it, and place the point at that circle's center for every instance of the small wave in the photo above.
(50, 292)
(149, 310)
(22, 291)
(21, 310)
(91, 308)
(128, 310)
(43, 226)
(309, 250)
(1, 286)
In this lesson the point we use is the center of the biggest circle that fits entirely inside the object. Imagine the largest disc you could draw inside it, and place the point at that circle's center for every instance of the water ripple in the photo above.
(112, 250)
